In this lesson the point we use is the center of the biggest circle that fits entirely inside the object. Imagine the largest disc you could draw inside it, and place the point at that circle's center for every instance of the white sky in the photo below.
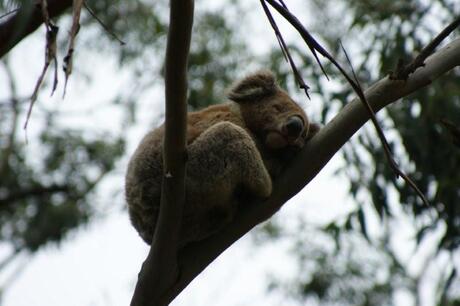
(98, 264)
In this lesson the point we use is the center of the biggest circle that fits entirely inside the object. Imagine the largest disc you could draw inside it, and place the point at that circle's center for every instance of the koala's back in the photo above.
(200, 121)
(233, 150)
(204, 170)
(143, 183)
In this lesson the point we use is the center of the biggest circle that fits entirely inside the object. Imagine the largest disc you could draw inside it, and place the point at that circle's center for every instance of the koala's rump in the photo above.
(205, 172)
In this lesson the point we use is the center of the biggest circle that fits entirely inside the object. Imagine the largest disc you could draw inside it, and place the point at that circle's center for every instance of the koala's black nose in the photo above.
(294, 126)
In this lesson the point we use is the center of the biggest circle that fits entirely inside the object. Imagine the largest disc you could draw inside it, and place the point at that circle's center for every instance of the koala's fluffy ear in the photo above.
(254, 87)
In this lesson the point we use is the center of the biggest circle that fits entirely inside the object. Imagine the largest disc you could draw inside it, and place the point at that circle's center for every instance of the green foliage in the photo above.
(387, 31)
(45, 195)
(374, 11)
(216, 56)
(433, 160)
(341, 269)
(141, 25)
(50, 189)
(377, 34)
(218, 53)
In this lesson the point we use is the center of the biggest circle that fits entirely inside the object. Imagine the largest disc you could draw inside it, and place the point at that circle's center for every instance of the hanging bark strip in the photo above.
(50, 56)
(68, 59)
(26, 19)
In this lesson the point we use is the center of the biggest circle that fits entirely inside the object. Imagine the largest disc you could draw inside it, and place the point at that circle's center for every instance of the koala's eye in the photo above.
(278, 108)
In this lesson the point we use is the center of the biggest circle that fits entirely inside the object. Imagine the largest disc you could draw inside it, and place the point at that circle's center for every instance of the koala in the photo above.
(235, 149)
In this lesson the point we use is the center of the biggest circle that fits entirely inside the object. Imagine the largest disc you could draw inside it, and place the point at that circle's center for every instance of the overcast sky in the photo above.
(98, 264)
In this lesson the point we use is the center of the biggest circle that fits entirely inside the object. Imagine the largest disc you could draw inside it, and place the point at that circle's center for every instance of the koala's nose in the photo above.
(294, 126)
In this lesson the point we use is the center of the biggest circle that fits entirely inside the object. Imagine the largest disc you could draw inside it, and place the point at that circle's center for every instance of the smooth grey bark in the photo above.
(313, 157)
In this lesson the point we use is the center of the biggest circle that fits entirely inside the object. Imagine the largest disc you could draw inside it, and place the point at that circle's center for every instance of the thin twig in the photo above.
(309, 162)
(16, 272)
(50, 55)
(44, 8)
(312, 48)
(8, 259)
(68, 59)
(309, 40)
(51, 45)
(9, 13)
(285, 50)
(383, 139)
(314, 45)
(93, 14)
(403, 72)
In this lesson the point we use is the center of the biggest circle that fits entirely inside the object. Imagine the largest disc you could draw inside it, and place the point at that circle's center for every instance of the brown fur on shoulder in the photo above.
(234, 151)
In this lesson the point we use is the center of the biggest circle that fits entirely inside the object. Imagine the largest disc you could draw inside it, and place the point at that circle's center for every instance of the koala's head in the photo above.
(269, 112)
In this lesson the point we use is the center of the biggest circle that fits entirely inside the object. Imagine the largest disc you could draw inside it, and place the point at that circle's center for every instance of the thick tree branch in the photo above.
(161, 268)
(354, 83)
(25, 21)
(314, 156)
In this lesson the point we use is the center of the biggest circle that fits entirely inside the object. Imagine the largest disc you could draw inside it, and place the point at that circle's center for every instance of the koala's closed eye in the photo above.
(278, 108)
(235, 149)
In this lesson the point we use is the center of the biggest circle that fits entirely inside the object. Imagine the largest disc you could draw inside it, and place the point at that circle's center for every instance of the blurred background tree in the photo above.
(378, 34)
(45, 195)
(355, 259)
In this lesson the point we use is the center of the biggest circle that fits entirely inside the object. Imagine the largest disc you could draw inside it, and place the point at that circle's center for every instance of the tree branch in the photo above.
(32, 192)
(161, 269)
(25, 21)
(313, 157)
(354, 83)
(420, 58)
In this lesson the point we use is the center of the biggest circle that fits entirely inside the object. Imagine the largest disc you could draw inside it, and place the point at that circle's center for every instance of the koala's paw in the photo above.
(262, 184)
(313, 130)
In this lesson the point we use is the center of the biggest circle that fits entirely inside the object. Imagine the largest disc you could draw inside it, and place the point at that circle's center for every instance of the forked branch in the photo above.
(26, 20)
(313, 157)
(161, 268)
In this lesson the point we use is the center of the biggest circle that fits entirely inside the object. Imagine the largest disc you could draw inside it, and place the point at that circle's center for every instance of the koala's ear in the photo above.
(254, 87)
